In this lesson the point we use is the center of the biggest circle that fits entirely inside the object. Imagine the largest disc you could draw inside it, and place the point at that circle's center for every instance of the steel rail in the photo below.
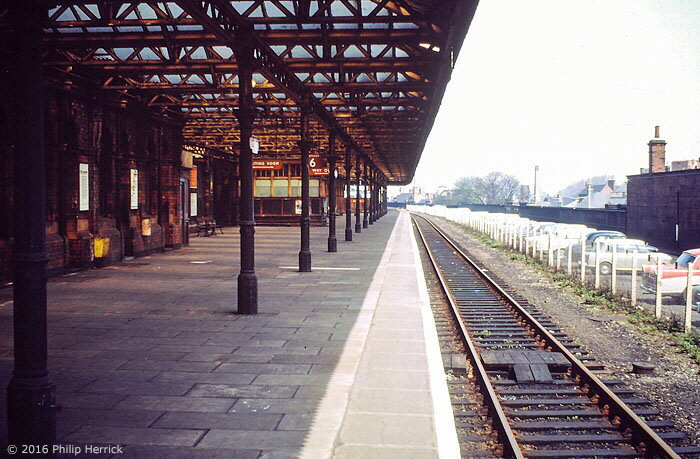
(615, 409)
(498, 416)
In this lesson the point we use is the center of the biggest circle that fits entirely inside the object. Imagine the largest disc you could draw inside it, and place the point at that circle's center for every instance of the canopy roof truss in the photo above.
(373, 71)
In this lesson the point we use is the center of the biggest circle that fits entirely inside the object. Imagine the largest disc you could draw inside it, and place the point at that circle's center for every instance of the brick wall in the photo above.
(656, 203)
(85, 127)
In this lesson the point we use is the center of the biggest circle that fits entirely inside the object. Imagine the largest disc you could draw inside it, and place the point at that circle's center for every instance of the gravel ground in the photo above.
(674, 388)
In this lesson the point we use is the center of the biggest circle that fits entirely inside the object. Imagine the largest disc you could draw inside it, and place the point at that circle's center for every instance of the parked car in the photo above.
(596, 235)
(625, 251)
(674, 276)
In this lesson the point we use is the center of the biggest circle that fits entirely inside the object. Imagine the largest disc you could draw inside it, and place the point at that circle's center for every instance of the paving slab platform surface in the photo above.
(341, 362)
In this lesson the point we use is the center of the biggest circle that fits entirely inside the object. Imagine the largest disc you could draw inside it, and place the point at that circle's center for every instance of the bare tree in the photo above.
(494, 188)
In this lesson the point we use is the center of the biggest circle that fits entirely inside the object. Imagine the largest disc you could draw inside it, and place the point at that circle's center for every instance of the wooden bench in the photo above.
(206, 226)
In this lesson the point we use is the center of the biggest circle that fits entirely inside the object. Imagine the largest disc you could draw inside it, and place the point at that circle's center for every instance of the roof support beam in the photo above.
(221, 19)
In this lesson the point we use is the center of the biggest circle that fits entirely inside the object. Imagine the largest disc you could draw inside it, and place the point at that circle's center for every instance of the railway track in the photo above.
(528, 390)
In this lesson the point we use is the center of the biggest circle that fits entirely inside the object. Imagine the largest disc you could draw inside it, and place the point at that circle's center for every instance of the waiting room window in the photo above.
(296, 188)
(280, 187)
(262, 188)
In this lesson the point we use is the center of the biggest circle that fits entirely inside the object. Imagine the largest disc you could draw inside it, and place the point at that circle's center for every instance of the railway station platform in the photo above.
(341, 362)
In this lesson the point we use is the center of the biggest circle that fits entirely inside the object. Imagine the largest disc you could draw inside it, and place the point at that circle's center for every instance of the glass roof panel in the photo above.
(199, 53)
(67, 15)
(343, 26)
(241, 6)
(99, 29)
(147, 12)
(195, 79)
(130, 29)
(189, 28)
(174, 9)
(257, 13)
(405, 25)
(352, 51)
(174, 79)
(123, 53)
(376, 25)
(281, 26)
(148, 54)
(121, 10)
(224, 51)
(273, 11)
(299, 52)
(339, 10)
(81, 14)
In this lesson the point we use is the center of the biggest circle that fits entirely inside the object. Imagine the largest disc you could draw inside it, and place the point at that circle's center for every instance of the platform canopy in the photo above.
(374, 71)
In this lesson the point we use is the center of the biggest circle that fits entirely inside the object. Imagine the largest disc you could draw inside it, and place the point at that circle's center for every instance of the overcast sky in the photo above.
(575, 87)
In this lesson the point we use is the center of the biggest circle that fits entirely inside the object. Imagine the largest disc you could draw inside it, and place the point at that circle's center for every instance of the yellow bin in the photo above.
(101, 247)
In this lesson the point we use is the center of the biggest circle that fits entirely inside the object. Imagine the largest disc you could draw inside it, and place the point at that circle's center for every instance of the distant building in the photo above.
(593, 196)
(619, 196)
(685, 165)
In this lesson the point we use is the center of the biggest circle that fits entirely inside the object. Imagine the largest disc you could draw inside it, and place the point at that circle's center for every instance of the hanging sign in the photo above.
(318, 165)
(297, 207)
(267, 165)
(134, 201)
(84, 188)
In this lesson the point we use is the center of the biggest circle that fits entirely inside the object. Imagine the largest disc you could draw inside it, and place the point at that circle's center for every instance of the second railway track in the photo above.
(538, 389)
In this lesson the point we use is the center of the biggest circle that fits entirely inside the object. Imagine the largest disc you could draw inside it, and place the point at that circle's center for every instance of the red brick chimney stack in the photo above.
(657, 153)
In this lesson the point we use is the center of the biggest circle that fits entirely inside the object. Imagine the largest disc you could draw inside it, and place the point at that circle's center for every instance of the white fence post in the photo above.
(583, 260)
(596, 280)
(568, 257)
(688, 300)
(657, 306)
(633, 292)
(613, 272)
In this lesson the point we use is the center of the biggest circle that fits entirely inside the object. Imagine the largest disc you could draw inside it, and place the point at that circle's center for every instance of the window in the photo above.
(296, 188)
(314, 185)
(280, 187)
(262, 188)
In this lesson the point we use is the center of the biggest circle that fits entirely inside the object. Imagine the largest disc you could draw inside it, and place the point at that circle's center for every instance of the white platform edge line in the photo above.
(316, 440)
(445, 428)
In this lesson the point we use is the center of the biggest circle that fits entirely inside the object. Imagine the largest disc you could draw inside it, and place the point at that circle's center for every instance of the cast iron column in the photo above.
(348, 206)
(373, 197)
(384, 207)
(304, 147)
(358, 224)
(365, 218)
(31, 395)
(247, 279)
(332, 241)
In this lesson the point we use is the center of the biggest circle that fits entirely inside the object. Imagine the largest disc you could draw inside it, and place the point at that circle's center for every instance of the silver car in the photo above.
(625, 251)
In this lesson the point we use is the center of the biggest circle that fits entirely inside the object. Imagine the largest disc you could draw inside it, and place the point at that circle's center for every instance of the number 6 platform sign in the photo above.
(318, 165)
